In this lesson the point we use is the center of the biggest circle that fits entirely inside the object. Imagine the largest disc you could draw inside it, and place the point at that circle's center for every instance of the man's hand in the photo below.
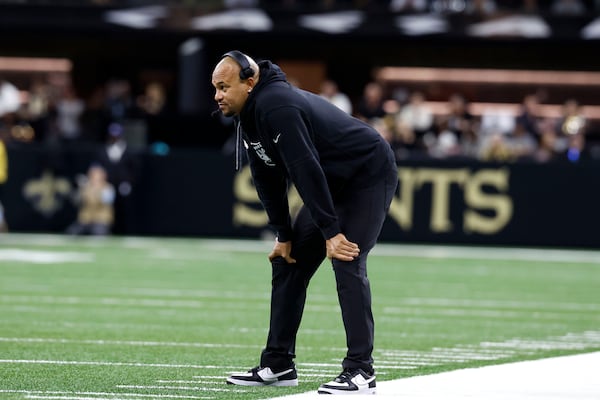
(282, 249)
(341, 248)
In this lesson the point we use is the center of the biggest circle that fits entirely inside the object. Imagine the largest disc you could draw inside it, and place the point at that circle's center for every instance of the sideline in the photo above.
(253, 245)
(573, 377)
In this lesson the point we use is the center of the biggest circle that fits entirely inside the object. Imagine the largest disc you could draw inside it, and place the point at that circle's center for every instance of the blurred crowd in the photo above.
(56, 116)
(481, 7)
(474, 7)
(55, 113)
(114, 116)
(416, 130)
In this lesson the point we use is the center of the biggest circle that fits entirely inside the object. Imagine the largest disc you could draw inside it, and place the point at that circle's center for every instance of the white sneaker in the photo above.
(264, 376)
(351, 381)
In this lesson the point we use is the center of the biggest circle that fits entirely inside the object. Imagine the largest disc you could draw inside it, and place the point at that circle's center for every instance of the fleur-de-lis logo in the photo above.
(47, 193)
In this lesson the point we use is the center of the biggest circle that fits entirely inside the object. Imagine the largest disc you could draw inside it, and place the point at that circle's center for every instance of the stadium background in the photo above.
(187, 186)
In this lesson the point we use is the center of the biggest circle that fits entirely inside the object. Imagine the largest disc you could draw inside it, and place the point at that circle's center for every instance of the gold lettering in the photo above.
(248, 211)
(245, 192)
(401, 209)
(246, 197)
(441, 179)
(248, 216)
(243, 186)
(295, 201)
(477, 199)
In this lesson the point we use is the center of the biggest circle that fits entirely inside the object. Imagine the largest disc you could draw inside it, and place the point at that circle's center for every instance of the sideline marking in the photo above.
(44, 257)
(571, 377)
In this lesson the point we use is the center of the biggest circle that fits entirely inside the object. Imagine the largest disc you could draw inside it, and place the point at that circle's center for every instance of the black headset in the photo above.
(239, 57)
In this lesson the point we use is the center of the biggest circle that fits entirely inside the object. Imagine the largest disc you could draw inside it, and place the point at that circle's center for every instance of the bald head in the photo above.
(231, 91)
(228, 60)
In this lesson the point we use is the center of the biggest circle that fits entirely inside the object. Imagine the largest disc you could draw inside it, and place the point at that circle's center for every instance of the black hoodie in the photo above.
(293, 134)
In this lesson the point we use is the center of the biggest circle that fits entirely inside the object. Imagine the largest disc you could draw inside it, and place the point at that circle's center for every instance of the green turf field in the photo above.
(153, 318)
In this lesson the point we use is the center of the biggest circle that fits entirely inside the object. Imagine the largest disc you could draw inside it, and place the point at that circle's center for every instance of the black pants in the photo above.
(361, 211)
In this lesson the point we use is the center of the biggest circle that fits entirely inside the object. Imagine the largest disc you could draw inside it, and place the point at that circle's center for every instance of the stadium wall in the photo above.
(198, 193)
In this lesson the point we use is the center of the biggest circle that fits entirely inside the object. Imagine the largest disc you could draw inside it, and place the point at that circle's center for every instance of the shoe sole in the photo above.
(347, 392)
(241, 382)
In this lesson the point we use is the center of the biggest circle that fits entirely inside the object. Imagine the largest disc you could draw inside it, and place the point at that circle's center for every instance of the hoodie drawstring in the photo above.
(238, 145)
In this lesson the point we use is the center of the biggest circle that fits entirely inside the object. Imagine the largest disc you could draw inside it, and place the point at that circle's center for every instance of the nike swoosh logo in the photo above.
(362, 381)
(276, 140)
(267, 375)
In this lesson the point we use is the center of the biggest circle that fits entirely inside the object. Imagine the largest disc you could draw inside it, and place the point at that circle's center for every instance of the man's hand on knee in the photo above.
(282, 249)
(339, 247)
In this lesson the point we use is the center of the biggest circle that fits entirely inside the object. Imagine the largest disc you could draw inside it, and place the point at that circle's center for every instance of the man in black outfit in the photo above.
(346, 176)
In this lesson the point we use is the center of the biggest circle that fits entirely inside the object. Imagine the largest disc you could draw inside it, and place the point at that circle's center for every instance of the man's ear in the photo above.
(250, 82)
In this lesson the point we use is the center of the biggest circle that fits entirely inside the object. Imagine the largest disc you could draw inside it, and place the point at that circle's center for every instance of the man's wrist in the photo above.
(284, 235)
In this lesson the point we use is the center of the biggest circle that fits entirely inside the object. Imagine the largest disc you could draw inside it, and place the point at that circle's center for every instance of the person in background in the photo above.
(37, 109)
(69, 109)
(119, 104)
(346, 175)
(529, 115)
(331, 92)
(444, 143)
(572, 120)
(10, 98)
(413, 121)
(371, 104)
(521, 143)
(95, 197)
(548, 147)
(94, 118)
(454, 132)
(576, 151)
(459, 119)
(122, 167)
(154, 99)
(3, 179)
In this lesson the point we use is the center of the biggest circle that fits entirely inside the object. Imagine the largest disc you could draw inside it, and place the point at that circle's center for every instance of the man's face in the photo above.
(230, 91)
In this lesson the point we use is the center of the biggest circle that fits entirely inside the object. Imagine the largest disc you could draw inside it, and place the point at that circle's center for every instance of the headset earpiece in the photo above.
(239, 57)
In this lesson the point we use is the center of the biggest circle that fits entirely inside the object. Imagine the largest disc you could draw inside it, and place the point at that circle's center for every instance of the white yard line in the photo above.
(189, 388)
(42, 300)
(128, 343)
(434, 251)
(115, 364)
(46, 394)
(387, 359)
(114, 396)
(551, 311)
(570, 377)
(381, 249)
(495, 304)
(44, 257)
(487, 253)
